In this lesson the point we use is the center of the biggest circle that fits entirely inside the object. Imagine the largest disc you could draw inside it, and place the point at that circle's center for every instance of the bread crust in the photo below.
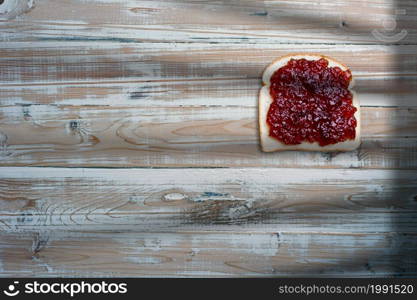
(270, 144)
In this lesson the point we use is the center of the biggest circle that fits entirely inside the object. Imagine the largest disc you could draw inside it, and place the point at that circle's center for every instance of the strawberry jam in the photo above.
(311, 103)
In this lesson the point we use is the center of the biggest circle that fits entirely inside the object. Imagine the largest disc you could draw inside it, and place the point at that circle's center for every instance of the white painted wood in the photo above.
(68, 63)
(161, 84)
(255, 199)
(206, 254)
(392, 91)
(190, 176)
(11, 9)
(203, 135)
(232, 22)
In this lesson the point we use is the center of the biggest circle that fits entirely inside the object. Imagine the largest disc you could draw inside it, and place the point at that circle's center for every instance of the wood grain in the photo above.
(236, 21)
(216, 136)
(391, 90)
(162, 96)
(202, 254)
(337, 200)
(207, 222)
(151, 105)
(69, 63)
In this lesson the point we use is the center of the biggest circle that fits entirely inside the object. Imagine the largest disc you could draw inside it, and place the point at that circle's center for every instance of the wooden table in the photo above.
(129, 146)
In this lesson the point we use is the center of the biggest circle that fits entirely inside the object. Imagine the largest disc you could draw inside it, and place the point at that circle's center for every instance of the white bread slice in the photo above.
(270, 144)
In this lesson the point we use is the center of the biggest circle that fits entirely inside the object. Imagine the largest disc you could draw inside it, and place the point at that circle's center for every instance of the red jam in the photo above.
(311, 103)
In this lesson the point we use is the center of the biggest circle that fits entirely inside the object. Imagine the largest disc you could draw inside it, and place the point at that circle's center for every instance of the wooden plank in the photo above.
(124, 84)
(68, 63)
(217, 136)
(173, 84)
(243, 21)
(207, 254)
(178, 200)
(68, 102)
(394, 91)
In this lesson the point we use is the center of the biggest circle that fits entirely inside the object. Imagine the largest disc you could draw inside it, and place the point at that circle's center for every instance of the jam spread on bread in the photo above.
(311, 103)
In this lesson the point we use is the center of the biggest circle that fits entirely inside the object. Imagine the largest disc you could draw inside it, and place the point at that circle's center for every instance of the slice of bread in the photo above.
(271, 144)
